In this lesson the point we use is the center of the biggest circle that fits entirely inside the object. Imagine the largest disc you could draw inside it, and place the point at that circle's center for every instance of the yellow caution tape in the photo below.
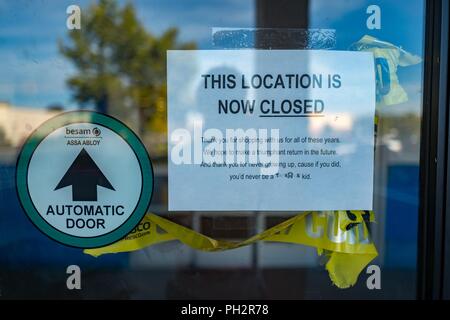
(354, 217)
(342, 237)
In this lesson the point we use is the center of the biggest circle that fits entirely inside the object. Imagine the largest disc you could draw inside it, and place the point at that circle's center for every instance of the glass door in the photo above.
(114, 62)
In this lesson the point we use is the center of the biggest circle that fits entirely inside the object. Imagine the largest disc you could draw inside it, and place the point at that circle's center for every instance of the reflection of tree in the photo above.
(121, 66)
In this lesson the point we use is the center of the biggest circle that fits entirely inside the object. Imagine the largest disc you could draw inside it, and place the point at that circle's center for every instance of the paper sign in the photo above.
(270, 130)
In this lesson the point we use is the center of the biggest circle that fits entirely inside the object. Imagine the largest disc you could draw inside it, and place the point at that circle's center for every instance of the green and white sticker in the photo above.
(84, 179)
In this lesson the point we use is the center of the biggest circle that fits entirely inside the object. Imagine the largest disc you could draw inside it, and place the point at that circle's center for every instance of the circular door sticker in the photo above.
(84, 179)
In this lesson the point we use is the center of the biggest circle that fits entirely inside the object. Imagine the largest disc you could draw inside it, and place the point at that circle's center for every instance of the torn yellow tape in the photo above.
(348, 251)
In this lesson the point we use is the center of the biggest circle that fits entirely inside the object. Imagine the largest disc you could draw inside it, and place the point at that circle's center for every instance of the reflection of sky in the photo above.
(33, 72)
(402, 24)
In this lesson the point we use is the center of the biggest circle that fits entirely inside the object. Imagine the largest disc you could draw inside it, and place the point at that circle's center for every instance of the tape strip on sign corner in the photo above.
(348, 250)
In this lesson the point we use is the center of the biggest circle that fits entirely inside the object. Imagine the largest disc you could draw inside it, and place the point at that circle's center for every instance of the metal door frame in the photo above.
(434, 236)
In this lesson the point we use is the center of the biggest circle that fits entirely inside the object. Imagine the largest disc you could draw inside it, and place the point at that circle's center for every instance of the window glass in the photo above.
(46, 70)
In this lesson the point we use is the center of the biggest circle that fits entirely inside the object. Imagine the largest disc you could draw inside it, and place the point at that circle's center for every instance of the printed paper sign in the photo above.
(270, 130)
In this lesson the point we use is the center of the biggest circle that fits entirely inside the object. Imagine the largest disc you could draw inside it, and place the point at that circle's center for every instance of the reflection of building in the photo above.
(16, 123)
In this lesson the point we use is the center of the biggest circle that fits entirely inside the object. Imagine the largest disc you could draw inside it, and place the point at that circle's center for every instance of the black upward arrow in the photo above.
(84, 176)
